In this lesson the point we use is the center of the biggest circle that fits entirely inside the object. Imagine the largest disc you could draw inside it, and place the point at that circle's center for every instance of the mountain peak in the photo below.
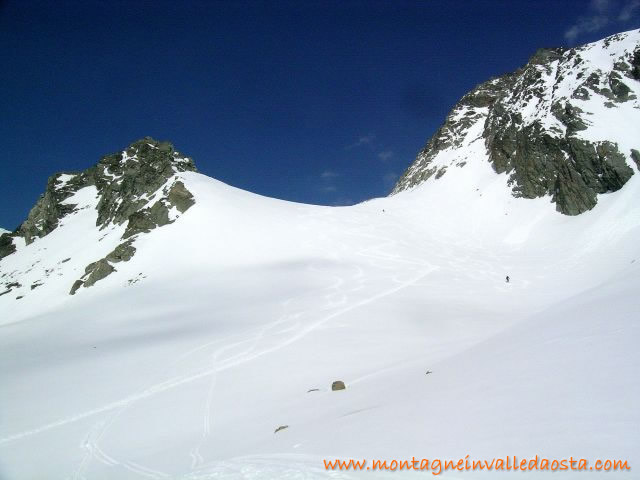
(130, 192)
(122, 179)
(148, 151)
(548, 126)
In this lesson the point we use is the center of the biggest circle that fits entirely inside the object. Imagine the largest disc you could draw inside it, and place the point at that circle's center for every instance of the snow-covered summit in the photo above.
(110, 205)
(563, 126)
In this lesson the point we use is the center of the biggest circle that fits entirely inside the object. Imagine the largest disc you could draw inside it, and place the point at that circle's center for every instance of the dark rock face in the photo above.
(531, 122)
(102, 268)
(139, 173)
(137, 187)
(7, 246)
(49, 209)
(9, 286)
(635, 64)
(338, 385)
(146, 219)
(571, 170)
(122, 253)
(180, 197)
(635, 155)
(125, 178)
(93, 273)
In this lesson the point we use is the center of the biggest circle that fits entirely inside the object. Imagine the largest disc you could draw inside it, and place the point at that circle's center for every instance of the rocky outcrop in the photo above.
(127, 180)
(635, 155)
(571, 170)
(7, 247)
(9, 286)
(535, 124)
(135, 187)
(122, 253)
(50, 207)
(179, 197)
(146, 219)
(93, 272)
(138, 187)
(96, 271)
(338, 385)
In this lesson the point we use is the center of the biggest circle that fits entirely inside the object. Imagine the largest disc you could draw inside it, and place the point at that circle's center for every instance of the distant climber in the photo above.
(507, 278)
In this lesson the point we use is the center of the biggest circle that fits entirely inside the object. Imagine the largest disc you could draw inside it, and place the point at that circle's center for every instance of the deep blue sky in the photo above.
(319, 102)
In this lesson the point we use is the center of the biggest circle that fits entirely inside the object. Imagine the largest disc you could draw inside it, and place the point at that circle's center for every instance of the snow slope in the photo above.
(183, 362)
(564, 126)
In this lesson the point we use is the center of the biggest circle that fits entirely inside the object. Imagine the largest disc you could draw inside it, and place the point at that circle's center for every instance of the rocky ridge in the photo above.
(548, 125)
(136, 188)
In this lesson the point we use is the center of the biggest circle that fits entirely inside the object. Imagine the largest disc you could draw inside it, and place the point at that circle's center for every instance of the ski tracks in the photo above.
(287, 329)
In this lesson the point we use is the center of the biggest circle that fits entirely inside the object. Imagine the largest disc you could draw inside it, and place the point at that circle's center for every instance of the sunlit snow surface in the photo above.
(246, 303)
(183, 363)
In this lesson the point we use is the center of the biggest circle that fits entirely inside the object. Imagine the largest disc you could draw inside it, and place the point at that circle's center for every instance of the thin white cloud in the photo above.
(364, 140)
(327, 178)
(343, 202)
(385, 155)
(600, 14)
(329, 174)
(601, 5)
(586, 25)
(389, 179)
(628, 10)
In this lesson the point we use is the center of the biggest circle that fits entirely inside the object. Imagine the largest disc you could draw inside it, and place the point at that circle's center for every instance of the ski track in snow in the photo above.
(336, 298)
(388, 269)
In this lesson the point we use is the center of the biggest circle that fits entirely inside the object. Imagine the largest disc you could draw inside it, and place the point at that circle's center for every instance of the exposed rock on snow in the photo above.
(242, 288)
(102, 268)
(7, 247)
(159, 213)
(338, 385)
(127, 183)
(137, 187)
(180, 197)
(94, 272)
(635, 155)
(543, 125)
(122, 252)
(9, 287)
